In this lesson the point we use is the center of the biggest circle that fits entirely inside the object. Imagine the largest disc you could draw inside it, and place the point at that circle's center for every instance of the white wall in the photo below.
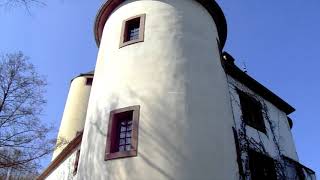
(65, 170)
(175, 75)
(278, 118)
(75, 110)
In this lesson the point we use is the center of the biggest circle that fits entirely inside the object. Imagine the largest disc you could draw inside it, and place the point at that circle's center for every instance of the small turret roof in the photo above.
(89, 73)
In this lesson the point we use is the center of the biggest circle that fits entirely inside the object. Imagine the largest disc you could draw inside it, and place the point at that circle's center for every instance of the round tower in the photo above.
(162, 57)
(75, 110)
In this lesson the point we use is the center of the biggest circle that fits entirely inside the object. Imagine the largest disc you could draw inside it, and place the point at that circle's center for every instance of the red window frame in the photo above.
(140, 19)
(116, 117)
(76, 162)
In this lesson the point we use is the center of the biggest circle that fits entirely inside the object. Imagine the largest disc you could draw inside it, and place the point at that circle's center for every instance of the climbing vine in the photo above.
(285, 168)
(247, 143)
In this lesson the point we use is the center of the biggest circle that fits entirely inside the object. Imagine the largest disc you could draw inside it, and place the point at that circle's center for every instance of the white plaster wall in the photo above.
(75, 110)
(281, 131)
(175, 75)
(65, 170)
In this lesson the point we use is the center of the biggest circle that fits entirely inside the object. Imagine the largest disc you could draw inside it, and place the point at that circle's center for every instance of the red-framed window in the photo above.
(133, 30)
(76, 162)
(122, 137)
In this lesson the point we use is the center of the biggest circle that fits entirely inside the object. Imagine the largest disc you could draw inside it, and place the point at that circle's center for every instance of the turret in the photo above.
(75, 110)
(160, 107)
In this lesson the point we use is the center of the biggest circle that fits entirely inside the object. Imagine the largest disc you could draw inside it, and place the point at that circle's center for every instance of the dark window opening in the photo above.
(122, 137)
(300, 175)
(76, 162)
(261, 166)
(123, 134)
(252, 112)
(132, 29)
(89, 81)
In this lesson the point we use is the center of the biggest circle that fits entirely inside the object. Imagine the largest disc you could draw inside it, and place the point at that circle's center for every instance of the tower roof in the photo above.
(87, 73)
(241, 76)
(90, 73)
(212, 7)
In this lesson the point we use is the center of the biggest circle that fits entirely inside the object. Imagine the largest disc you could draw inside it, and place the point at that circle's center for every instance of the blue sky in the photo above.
(277, 40)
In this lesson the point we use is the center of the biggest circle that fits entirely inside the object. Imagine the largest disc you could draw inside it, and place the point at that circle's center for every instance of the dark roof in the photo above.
(87, 73)
(235, 72)
(212, 7)
(90, 73)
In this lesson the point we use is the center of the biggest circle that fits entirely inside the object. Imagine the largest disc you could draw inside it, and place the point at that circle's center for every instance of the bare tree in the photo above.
(23, 137)
(24, 3)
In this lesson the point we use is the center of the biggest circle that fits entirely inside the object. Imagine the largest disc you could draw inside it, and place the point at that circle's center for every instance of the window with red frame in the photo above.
(76, 162)
(132, 30)
(122, 138)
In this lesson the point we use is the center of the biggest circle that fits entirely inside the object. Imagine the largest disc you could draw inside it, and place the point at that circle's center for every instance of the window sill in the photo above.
(118, 155)
(130, 42)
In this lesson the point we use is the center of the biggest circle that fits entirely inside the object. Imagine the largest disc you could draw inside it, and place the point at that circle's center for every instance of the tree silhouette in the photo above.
(23, 137)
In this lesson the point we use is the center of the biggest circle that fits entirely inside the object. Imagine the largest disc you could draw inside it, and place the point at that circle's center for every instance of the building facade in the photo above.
(167, 103)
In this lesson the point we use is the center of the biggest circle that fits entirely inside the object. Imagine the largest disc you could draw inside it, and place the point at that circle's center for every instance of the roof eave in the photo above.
(236, 73)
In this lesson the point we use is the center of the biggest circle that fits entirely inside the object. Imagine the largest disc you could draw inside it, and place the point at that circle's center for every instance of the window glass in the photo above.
(125, 133)
(133, 27)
